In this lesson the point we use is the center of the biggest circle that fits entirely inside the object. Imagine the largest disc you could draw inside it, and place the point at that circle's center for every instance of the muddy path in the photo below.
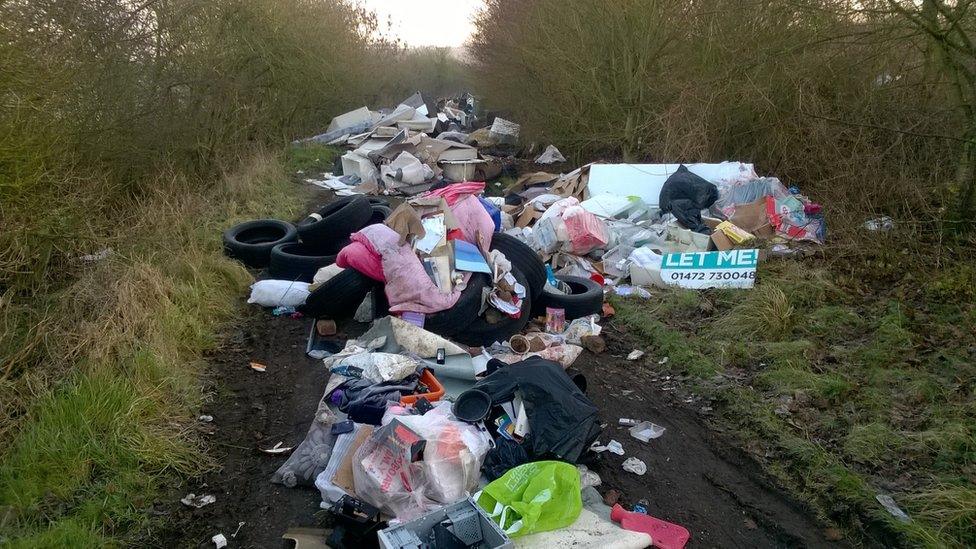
(695, 478)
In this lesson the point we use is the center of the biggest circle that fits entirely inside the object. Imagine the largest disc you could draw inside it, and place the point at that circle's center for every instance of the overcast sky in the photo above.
(427, 22)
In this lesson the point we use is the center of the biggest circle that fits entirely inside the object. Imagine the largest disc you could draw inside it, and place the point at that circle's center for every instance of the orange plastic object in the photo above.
(436, 389)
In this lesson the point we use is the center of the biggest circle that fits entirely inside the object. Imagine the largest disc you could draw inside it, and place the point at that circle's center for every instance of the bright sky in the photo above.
(427, 22)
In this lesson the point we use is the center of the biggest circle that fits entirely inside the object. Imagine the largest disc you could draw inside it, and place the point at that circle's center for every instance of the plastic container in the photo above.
(616, 262)
(472, 406)
(435, 393)
(460, 170)
(665, 534)
(463, 519)
(645, 431)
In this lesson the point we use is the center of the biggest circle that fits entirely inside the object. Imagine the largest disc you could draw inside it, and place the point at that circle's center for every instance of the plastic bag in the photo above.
(746, 192)
(535, 497)
(580, 231)
(311, 457)
(388, 475)
(278, 293)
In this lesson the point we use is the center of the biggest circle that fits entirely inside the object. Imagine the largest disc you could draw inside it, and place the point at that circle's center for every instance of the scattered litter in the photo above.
(307, 538)
(219, 540)
(325, 327)
(645, 431)
(206, 418)
(550, 156)
(880, 224)
(277, 449)
(239, 526)
(889, 504)
(278, 293)
(613, 447)
(627, 291)
(284, 311)
(666, 535)
(634, 465)
(594, 344)
(445, 264)
(97, 256)
(193, 500)
(588, 477)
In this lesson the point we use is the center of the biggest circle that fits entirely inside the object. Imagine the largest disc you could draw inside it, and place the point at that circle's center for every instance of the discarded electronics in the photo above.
(460, 525)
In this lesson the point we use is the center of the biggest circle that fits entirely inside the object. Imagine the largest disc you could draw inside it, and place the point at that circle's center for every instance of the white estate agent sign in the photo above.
(728, 269)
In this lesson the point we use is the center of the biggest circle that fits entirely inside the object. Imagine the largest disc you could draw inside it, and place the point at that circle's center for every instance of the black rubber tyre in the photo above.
(380, 213)
(522, 258)
(586, 299)
(297, 261)
(339, 297)
(251, 242)
(338, 220)
(481, 332)
(462, 314)
(381, 305)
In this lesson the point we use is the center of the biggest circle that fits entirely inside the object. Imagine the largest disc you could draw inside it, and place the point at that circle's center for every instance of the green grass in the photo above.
(311, 158)
(879, 389)
(91, 452)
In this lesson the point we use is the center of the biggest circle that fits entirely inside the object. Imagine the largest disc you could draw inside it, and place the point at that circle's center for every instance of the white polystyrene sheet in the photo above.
(351, 119)
(589, 531)
(646, 180)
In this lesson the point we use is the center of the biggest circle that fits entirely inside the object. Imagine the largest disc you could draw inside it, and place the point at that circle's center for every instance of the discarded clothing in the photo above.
(365, 401)
(362, 256)
(563, 422)
(474, 222)
(506, 454)
(456, 191)
(408, 287)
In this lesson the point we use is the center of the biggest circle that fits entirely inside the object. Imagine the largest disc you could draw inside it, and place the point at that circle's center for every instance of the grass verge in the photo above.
(107, 411)
(844, 391)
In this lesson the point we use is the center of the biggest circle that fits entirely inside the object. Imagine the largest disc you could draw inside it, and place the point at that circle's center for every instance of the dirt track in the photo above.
(694, 478)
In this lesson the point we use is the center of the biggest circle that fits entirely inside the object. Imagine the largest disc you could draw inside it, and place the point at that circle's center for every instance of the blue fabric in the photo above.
(494, 212)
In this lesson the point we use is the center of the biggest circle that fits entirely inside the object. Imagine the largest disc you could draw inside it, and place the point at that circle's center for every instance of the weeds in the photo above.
(848, 393)
(127, 338)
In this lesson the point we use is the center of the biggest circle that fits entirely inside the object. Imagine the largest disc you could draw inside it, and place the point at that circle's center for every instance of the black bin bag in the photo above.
(563, 422)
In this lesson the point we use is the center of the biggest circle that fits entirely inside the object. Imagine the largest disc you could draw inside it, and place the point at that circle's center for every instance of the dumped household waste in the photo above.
(534, 497)
(457, 414)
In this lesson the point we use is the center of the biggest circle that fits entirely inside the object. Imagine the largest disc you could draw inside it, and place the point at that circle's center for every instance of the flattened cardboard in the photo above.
(343, 477)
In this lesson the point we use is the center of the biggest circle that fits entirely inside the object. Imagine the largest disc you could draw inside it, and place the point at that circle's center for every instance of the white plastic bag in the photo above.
(278, 293)
(453, 453)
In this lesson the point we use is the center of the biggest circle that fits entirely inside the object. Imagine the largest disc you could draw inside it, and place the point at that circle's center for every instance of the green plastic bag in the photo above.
(535, 497)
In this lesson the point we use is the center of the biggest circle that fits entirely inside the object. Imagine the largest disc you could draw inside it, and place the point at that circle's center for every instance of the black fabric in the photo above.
(563, 422)
(685, 195)
(507, 454)
(365, 401)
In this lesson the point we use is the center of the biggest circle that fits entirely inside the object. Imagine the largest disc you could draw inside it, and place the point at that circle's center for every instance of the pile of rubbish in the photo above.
(456, 420)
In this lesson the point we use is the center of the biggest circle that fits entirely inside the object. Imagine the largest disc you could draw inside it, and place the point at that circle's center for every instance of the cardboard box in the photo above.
(752, 217)
(718, 240)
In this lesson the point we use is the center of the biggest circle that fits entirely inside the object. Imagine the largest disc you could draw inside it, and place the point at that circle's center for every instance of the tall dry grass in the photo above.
(844, 107)
(137, 127)
(99, 97)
